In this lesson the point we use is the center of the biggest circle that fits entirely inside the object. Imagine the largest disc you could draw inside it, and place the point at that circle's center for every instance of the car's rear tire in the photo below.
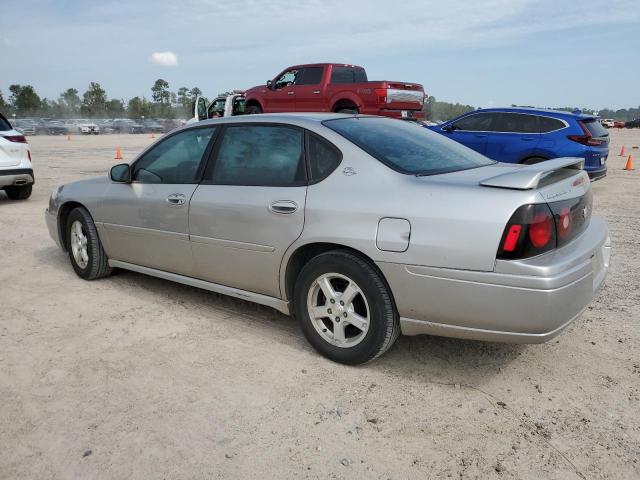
(87, 256)
(361, 321)
(254, 110)
(19, 192)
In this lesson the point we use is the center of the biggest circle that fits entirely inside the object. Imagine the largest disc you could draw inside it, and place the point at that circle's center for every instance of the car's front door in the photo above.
(147, 221)
(472, 130)
(281, 96)
(250, 206)
(308, 91)
(514, 137)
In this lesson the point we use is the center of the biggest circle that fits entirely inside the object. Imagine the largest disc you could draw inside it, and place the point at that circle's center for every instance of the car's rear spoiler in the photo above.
(529, 177)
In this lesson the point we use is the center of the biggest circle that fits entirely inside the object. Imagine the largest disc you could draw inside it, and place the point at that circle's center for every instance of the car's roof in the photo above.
(325, 63)
(293, 118)
(536, 111)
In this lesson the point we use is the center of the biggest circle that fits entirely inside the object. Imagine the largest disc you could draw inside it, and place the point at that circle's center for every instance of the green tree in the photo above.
(195, 91)
(70, 101)
(443, 111)
(94, 100)
(24, 100)
(183, 97)
(115, 108)
(4, 106)
(160, 92)
(138, 107)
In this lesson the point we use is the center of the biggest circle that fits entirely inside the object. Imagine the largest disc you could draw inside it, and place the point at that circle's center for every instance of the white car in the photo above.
(222, 106)
(87, 127)
(607, 122)
(16, 171)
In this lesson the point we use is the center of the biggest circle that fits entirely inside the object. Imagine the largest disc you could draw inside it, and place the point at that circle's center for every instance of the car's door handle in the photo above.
(528, 139)
(176, 199)
(481, 135)
(290, 93)
(283, 206)
(316, 92)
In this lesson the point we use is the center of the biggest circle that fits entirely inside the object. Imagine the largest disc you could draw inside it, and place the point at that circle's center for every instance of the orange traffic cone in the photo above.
(629, 165)
(118, 154)
(153, 136)
(622, 152)
(68, 137)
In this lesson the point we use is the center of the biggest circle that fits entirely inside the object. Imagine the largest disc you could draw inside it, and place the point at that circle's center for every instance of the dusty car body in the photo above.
(359, 247)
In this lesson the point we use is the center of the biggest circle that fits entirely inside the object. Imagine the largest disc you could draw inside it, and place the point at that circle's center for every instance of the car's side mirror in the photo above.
(120, 173)
(447, 128)
(269, 84)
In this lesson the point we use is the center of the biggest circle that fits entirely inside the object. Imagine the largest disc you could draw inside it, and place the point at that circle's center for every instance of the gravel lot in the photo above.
(136, 377)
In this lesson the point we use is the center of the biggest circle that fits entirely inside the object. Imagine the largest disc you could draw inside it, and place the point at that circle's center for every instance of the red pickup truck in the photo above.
(334, 87)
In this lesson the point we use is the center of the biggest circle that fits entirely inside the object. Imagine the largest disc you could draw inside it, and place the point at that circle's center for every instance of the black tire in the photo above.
(384, 325)
(254, 110)
(97, 265)
(350, 111)
(19, 192)
(534, 160)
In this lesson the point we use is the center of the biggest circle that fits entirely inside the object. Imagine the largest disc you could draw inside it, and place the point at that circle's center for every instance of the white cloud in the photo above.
(165, 59)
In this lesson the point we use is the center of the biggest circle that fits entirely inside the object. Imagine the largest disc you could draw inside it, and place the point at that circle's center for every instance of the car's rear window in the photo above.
(4, 124)
(348, 75)
(596, 129)
(406, 147)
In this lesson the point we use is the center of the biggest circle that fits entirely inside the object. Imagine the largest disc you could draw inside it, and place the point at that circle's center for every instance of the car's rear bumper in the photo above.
(527, 301)
(597, 174)
(16, 176)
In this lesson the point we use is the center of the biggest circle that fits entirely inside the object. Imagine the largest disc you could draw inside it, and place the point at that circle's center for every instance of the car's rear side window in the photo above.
(4, 124)
(310, 76)
(323, 157)
(516, 123)
(595, 128)
(263, 155)
(406, 147)
(348, 75)
(548, 124)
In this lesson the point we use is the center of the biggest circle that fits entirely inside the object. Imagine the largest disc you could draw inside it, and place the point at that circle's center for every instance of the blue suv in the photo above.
(528, 135)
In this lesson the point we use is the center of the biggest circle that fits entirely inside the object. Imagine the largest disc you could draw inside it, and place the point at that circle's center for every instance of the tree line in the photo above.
(24, 101)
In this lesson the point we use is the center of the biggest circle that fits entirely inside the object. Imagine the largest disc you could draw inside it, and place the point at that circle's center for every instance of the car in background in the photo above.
(618, 124)
(222, 106)
(87, 127)
(126, 125)
(335, 87)
(528, 135)
(607, 122)
(151, 126)
(633, 123)
(25, 127)
(54, 127)
(16, 170)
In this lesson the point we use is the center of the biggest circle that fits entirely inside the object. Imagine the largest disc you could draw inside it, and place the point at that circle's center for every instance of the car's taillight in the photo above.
(587, 138)
(16, 138)
(531, 231)
(381, 94)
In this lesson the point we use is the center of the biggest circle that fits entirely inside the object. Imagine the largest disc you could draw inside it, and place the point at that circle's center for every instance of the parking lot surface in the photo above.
(136, 377)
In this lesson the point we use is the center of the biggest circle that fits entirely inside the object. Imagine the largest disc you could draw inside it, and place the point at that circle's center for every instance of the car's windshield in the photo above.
(407, 147)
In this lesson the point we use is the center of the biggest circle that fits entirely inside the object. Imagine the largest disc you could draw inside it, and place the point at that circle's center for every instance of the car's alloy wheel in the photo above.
(338, 310)
(87, 256)
(345, 308)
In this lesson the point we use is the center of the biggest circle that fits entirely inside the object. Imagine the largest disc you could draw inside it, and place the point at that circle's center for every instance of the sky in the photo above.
(546, 53)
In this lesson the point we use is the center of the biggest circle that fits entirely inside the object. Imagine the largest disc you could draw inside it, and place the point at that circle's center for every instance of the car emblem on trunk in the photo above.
(348, 171)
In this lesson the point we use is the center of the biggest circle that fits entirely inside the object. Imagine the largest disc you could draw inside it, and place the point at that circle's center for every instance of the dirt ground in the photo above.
(136, 377)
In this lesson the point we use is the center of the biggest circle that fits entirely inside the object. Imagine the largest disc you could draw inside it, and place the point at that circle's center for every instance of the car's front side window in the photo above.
(266, 155)
(175, 160)
(287, 78)
(478, 122)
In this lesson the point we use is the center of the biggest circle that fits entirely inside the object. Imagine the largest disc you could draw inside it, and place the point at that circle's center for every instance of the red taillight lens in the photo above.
(587, 138)
(565, 221)
(16, 138)
(381, 94)
(540, 229)
(511, 241)
(530, 231)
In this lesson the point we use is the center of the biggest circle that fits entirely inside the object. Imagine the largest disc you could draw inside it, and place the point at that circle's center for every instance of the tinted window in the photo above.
(238, 106)
(478, 122)
(260, 155)
(348, 75)
(174, 160)
(548, 124)
(216, 109)
(407, 147)
(595, 128)
(311, 76)
(323, 157)
(516, 123)
(4, 124)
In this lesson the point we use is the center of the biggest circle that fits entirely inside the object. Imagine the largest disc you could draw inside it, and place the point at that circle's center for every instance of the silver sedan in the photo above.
(361, 227)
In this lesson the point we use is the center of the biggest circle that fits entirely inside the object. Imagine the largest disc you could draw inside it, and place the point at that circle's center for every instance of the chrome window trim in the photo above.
(566, 124)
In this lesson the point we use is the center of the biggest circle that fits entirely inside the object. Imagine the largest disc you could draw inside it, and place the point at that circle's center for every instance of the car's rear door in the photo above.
(472, 130)
(147, 221)
(250, 206)
(515, 137)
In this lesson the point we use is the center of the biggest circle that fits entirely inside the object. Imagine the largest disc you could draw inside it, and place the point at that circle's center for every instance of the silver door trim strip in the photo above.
(254, 247)
(272, 302)
(146, 231)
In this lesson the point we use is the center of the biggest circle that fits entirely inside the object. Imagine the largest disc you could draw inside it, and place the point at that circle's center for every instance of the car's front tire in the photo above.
(18, 192)
(345, 308)
(87, 256)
